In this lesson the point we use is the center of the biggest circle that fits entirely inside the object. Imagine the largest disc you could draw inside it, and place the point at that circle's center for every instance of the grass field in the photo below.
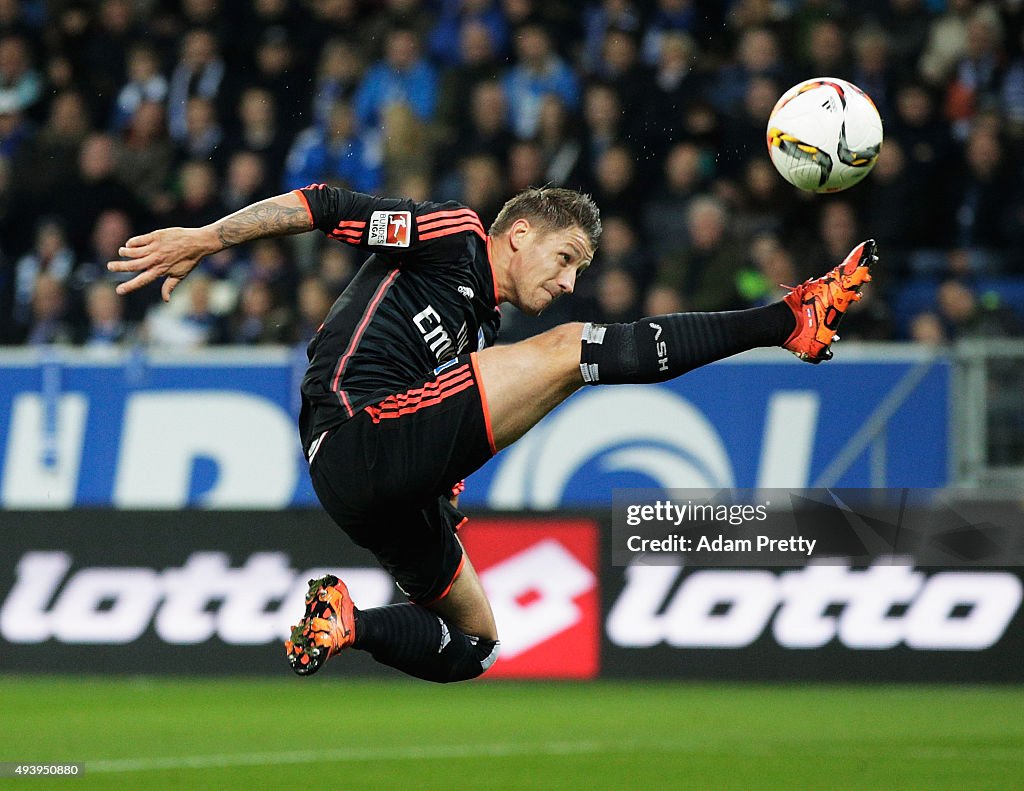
(331, 734)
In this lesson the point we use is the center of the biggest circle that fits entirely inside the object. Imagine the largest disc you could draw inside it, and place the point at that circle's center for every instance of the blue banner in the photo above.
(217, 430)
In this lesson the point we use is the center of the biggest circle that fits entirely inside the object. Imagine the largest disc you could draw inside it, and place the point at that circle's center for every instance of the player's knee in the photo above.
(482, 655)
(567, 336)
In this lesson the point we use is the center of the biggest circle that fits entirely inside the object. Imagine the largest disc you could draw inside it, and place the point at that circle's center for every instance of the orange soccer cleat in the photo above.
(820, 303)
(328, 626)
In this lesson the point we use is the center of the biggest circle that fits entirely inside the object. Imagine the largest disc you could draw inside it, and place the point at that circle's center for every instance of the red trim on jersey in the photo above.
(453, 377)
(357, 336)
(455, 576)
(377, 415)
(305, 202)
(360, 224)
(469, 219)
(478, 229)
(494, 275)
(346, 403)
(483, 401)
(351, 237)
(430, 394)
(439, 216)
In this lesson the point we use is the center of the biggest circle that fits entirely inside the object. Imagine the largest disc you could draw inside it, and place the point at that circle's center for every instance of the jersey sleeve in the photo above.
(412, 230)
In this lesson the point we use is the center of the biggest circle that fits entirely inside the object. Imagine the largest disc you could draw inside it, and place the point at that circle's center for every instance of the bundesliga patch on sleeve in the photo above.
(390, 228)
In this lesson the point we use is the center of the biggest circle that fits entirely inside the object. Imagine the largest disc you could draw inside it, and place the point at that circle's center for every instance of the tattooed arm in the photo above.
(174, 252)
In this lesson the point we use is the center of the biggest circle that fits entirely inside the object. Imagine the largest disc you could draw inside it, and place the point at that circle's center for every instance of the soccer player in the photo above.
(406, 395)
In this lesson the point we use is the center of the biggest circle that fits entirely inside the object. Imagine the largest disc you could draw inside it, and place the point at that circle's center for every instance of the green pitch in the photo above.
(329, 733)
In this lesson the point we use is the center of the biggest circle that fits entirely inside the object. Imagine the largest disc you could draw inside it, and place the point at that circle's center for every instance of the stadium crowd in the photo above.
(118, 116)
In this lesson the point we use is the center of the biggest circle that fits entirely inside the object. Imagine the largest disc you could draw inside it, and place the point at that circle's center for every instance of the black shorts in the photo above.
(386, 474)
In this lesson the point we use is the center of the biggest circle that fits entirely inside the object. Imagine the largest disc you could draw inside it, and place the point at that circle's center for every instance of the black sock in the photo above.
(660, 348)
(417, 642)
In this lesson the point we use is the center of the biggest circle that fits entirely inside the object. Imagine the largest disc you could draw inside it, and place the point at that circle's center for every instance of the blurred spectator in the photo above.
(336, 267)
(261, 16)
(478, 64)
(905, 23)
(259, 131)
(873, 71)
(926, 328)
(14, 20)
(664, 218)
(334, 154)
(525, 166)
(54, 149)
(204, 135)
(559, 144)
(538, 71)
(982, 192)
(50, 256)
(402, 77)
(21, 85)
(335, 19)
(145, 83)
(676, 85)
(338, 75)
(947, 38)
(16, 131)
(456, 16)
(482, 186)
(415, 16)
(621, 251)
(977, 75)
(964, 315)
(484, 130)
(314, 301)
(198, 201)
(893, 212)
(198, 73)
(143, 157)
(196, 326)
(598, 19)
(93, 190)
(107, 52)
(620, 67)
(826, 53)
(703, 276)
(258, 319)
(764, 201)
(286, 77)
(245, 181)
(47, 323)
(615, 187)
(838, 233)
(757, 55)
(616, 298)
(669, 16)
(745, 130)
(272, 265)
(105, 325)
(604, 121)
(766, 269)
(869, 319)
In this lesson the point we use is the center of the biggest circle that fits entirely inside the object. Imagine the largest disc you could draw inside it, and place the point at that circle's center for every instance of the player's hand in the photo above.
(170, 253)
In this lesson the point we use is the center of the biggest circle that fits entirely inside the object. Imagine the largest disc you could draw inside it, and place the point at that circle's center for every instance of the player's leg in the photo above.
(524, 381)
(447, 631)
(466, 604)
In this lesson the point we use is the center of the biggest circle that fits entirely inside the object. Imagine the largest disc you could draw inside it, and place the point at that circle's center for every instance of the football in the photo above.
(824, 135)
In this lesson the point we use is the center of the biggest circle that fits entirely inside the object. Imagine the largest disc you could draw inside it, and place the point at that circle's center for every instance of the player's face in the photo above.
(548, 264)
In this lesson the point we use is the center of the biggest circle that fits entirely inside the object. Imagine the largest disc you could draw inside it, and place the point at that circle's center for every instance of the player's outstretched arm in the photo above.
(174, 252)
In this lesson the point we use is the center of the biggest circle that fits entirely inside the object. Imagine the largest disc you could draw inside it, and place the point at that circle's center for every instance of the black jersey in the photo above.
(426, 295)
